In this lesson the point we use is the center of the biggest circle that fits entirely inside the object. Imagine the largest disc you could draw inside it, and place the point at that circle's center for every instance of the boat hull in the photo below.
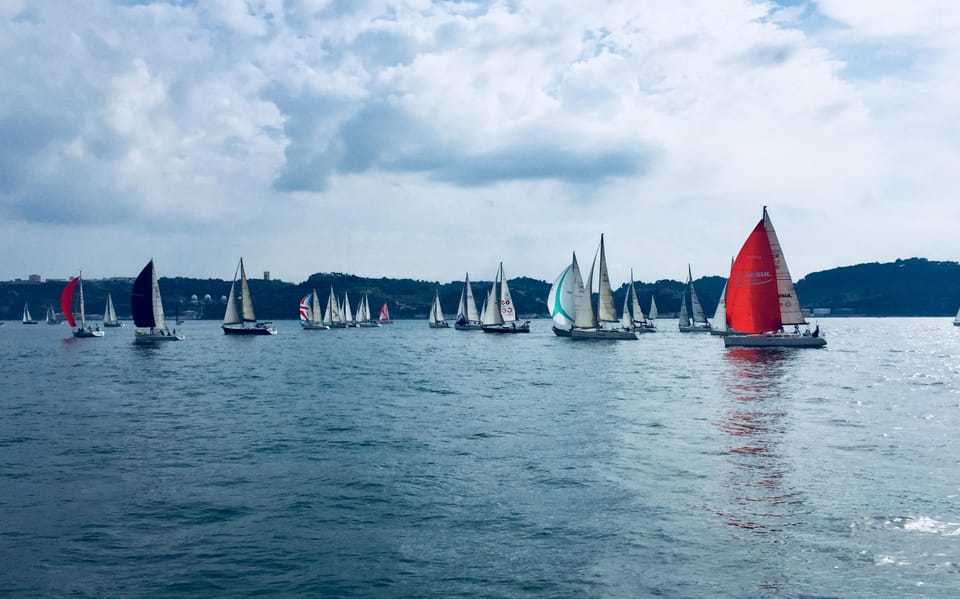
(504, 329)
(141, 337)
(30, 322)
(696, 329)
(256, 330)
(113, 324)
(765, 340)
(467, 327)
(722, 332)
(87, 333)
(368, 325)
(645, 329)
(440, 325)
(561, 332)
(603, 335)
(314, 327)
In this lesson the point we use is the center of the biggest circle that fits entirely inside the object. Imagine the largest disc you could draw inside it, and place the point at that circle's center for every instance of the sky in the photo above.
(428, 139)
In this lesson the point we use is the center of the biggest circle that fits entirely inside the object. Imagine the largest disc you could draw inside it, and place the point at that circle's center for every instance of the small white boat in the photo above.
(311, 317)
(147, 307)
(468, 319)
(27, 318)
(110, 314)
(698, 323)
(235, 321)
(500, 317)
(436, 319)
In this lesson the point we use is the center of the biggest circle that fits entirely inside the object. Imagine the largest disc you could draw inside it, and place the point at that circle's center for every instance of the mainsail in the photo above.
(145, 301)
(606, 309)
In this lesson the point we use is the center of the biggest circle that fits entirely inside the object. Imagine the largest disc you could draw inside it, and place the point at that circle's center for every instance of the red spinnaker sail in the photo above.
(753, 305)
(66, 301)
(384, 313)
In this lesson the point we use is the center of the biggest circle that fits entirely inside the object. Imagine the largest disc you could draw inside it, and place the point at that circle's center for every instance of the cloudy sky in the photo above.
(425, 139)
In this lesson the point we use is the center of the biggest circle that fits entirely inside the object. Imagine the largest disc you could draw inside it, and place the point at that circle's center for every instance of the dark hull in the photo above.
(561, 332)
(524, 328)
(257, 330)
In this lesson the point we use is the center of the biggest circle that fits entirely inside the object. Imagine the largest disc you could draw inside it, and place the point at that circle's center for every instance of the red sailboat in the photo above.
(761, 299)
(66, 306)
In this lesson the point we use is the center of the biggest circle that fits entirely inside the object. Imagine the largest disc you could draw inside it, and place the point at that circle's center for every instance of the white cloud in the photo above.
(429, 138)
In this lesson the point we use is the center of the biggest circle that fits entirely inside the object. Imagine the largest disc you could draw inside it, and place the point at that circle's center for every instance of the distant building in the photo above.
(821, 311)
(266, 275)
(35, 279)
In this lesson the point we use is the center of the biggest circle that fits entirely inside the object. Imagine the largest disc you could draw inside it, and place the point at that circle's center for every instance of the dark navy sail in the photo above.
(141, 300)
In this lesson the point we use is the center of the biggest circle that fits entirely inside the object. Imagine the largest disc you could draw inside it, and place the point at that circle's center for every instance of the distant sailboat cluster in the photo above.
(757, 302)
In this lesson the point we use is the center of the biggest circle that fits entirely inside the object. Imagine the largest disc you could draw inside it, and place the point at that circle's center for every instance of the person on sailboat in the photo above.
(816, 331)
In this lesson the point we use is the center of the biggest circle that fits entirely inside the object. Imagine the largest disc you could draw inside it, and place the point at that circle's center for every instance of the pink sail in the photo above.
(753, 304)
(66, 301)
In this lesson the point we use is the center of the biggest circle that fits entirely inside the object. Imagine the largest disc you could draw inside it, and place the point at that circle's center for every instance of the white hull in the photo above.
(773, 340)
(155, 336)
(603, 334)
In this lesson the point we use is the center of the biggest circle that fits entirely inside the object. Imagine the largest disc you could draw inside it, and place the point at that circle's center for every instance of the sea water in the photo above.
(407, 461)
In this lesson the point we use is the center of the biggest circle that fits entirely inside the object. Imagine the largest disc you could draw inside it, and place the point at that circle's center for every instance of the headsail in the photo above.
(66, 301)
(562, 297)
(246, 299)
(507, 309)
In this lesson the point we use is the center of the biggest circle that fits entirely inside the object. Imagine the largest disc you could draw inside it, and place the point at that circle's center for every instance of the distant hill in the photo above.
(912, 287)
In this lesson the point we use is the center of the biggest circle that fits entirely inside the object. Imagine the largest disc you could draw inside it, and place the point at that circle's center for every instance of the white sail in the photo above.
(491, 314)
(467, 309)
(109, 313)
(157, 301)
(231, 316)
(26, 313)
(83, 318)
(653, 308)
(635, 302)
(436, 312)
(697, 309)
(333, 309)
(51, 315)
(626, 320)
(562, 298)
(246, 300)
(684, 317)
(790, 312)
(316, 314)
(606, 309)
(720, 316)
(585, 317)
(956, 318)
(507, 310)
(347, 312)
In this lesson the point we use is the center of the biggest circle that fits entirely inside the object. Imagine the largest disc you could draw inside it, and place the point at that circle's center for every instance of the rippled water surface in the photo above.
(405, 461)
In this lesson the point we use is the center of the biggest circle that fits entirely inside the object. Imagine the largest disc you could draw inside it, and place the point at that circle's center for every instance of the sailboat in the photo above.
(384, 317)
(311, 316)
(699, 322)
(331, 316)
(364, 318)
(653, 314)
(234, 321)
(562, 299)
(468, 319)
(640, 323)
(66, 306)
(52, 316)
(346, 313)
(501, 316)
(956, 319)
(436, 319)
(147, 307)
(761, 299)
(110, 314)
(720, 326)
(587, 322)
(27, 319)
